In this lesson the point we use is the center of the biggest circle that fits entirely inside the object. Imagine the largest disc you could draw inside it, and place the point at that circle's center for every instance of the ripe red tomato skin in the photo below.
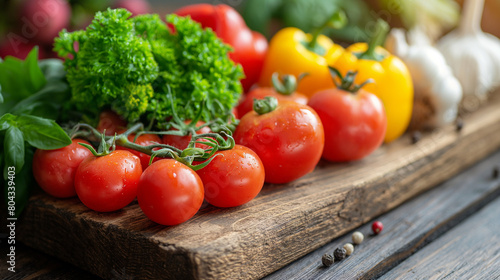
(169, 192)
(181, 142)
(143, 140)
(288, 140)
(111, 122)
(108, 183)
(54, 170)
(246, 104)
(355, 124)
(234, 178)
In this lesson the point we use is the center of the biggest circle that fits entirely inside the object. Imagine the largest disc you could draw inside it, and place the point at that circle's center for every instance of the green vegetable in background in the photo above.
(298, 13)
(30, 100)
(126, 64)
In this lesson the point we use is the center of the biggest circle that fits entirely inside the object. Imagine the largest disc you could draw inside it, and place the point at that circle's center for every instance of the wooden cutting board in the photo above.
(282, 224)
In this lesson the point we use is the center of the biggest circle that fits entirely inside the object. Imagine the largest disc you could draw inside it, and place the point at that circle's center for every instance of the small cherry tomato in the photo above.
(54, 170)
(234, 177)
(355, 122)
(279, 91)
(289, 140)
(169, 192)
(181, 142)
(143, 140)
(111, 122)
(108, 183)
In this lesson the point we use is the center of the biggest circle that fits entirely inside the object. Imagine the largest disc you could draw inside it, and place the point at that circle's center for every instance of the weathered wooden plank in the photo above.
(406, 229)
(282, 224)
(31, 264)
(469, 251)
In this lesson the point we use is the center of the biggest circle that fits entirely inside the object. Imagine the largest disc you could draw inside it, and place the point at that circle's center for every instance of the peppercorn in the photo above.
(327, 260)
(339, 254)
(459, 124)
(416, 136)
(349, 249)
(377, 227)
(495, 172)
(357, 237)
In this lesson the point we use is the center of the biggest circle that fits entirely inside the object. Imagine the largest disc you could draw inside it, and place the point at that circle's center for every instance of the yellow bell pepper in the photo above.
(293, 52)
(392, 79)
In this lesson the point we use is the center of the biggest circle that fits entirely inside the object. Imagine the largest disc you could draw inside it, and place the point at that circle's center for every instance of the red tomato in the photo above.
(355, 124)
(234, 178)
(143, 140)
(169, 192)
(111, 122)
(108, 183)
(288, 140)
(54, 170)
(181, 142)
(249, 47)
(246, 105)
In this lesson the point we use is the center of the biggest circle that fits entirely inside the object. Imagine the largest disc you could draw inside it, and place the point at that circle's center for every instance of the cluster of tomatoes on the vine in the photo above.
(279, 139)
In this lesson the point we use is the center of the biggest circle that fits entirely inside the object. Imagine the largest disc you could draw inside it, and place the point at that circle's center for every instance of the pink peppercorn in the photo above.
(377, 227)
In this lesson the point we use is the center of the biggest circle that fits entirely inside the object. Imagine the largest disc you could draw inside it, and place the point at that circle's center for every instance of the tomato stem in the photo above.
(347, 81)
(287, 84)
(265, 105)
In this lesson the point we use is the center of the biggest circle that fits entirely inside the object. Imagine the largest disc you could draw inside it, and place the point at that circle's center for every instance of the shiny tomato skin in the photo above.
(54, 170)
(111, 122)
(181, 142)
(108, 183)
(233, 178)
(246, 105)
(288, 140)
(143, 140)
(355, 124)
(169, 192)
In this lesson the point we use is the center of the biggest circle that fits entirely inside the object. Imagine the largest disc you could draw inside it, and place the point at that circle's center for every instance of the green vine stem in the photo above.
(215, 141)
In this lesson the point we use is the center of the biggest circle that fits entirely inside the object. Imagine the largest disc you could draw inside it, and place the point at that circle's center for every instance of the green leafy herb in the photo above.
(32, 94)
(126, 63)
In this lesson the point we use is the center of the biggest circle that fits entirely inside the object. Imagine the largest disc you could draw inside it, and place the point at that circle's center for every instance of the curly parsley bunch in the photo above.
(126, 64)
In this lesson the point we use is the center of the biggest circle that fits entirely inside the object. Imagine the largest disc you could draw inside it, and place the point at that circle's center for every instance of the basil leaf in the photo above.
(7, 121)
(42, 133)
(52, 69)
(1, 96)
(52, 96)
(20, 79)
(14, 149)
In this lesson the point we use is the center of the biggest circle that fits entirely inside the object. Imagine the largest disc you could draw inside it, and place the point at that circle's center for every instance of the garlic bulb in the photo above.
(437, 92)
(474, 56)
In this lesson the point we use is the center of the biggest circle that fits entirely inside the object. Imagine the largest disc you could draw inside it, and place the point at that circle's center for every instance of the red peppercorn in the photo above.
(377, 227)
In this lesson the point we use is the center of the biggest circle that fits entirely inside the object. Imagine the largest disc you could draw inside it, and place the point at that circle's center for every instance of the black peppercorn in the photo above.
(416, 136)
(339, 254)
(327, 260)
(495, 172)
(459, 124)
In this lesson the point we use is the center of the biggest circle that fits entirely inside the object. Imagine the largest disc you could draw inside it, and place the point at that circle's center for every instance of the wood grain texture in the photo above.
(31, 264)
(282, 224)
(469, 251)
(407, 229)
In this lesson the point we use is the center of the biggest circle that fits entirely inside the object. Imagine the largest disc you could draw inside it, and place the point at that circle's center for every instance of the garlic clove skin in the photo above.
(475, 61)
(437, 92)
(473, 55)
